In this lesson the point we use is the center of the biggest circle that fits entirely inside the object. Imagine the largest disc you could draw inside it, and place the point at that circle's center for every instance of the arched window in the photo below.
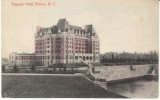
(76, 57)
(78, 31)
(80, 57)
(83, 58)
(87, 58)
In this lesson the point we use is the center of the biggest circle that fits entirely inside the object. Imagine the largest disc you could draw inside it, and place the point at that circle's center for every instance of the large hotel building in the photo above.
(61, 43)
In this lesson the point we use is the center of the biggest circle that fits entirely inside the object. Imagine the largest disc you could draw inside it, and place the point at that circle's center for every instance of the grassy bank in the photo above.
(52, 86)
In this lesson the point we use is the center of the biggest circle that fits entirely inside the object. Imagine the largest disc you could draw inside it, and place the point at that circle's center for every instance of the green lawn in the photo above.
(51, 86)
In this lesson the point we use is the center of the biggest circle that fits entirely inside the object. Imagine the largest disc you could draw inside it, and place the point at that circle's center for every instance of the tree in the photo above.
(59, 69)
(15, 68)
(72, 69)
(3, 68)
(112, 56)
(64, 69)
(33, 68)
(54, 69)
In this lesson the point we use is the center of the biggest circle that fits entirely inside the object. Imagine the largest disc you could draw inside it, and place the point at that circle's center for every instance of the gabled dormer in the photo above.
(49, 31)
(59, 30)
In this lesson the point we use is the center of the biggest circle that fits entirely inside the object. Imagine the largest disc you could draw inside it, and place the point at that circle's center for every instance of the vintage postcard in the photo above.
(80, 49)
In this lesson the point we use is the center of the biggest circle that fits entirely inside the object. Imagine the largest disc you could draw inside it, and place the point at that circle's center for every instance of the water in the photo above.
(136, 89)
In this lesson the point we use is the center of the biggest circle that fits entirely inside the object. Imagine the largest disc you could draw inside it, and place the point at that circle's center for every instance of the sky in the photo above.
(122, 25)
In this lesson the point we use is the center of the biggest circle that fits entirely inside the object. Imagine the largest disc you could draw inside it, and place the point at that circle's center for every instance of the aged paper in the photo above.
(80, 42)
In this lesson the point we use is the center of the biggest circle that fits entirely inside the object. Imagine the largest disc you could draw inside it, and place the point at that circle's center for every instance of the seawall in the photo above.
(114, 74)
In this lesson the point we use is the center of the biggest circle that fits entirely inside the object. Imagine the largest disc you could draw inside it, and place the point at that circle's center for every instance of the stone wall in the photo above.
(111, 73)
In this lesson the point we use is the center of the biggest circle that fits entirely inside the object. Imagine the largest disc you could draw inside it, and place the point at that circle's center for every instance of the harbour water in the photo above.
(136, 89)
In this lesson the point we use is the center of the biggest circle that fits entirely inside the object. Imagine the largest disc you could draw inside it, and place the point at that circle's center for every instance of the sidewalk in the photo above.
(40, 74)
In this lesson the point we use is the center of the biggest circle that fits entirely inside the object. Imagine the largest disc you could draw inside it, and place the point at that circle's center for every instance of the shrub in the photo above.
(15, 68)
(64, 69)
(3, 68)
(33, 68)
(72, 69)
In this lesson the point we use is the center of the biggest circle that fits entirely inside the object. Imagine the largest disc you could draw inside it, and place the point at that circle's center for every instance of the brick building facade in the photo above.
(65, 43)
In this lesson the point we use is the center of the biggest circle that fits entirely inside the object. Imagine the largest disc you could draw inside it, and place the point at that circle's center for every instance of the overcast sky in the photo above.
(122, 25)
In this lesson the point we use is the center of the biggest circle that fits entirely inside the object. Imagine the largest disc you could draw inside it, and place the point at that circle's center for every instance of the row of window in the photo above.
(95, 48)
(40, 52)
(59, 39)
(80, 40)
(47, 46)
(27, 57)
(69, 42)
(48, 51)
(40, 57)
(80, 47)
(69, 51)
(80, 51)
(59, 57)
(81, 44)
(59, 51)
(67, 46)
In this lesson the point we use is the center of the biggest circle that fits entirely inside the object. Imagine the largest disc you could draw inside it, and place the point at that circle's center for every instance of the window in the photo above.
(48, 51)
(58, 46)
(48, 46)
(58, 38)
(57, 57)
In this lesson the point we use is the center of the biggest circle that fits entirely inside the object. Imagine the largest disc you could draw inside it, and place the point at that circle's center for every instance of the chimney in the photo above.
(38, 28)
